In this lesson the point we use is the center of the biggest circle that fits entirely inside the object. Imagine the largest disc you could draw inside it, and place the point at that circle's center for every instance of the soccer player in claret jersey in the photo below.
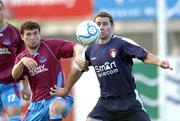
(11, 45)
(40, 64)
(112, 60)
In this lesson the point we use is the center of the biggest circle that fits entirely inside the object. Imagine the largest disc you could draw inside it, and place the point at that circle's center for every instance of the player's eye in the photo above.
(36, 33)
(98, 23)
(105, 24)
(28, 34)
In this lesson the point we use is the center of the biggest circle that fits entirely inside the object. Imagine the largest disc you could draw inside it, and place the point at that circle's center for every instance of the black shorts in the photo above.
(119, 110)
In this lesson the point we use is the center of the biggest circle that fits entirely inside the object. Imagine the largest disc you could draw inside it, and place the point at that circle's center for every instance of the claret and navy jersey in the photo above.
(113, 62)
(48, 72)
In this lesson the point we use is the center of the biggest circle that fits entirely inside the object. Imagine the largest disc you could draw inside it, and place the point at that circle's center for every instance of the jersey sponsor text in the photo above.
(108, 68)
(38, 70)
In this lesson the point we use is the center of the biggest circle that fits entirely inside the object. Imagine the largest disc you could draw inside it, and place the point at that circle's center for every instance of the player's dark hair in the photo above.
(104, 14)
(2, 3)
(29, 25)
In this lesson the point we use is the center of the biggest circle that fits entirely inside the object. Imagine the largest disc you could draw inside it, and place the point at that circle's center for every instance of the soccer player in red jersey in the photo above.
(40, 64)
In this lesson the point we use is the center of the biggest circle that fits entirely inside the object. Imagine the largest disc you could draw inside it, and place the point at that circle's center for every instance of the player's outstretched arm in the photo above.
(152, 59)
(79, 66)
(78, 50)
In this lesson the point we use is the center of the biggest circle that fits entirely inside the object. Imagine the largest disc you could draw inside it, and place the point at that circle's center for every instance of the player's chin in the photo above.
(33, 45)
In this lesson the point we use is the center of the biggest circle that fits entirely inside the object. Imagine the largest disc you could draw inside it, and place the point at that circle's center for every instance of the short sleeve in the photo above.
(61, 48)
(134, 50)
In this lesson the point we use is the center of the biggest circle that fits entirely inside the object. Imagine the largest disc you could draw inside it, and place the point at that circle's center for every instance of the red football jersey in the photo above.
(48, 72)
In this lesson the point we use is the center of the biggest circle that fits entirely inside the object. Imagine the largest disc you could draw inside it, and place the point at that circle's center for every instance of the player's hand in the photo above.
(26, 94)
(83, 64)
(30, 63)
(58, 91)
(165, 64)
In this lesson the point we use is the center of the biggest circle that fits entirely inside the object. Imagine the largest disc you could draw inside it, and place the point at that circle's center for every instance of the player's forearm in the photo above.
(25, 82)
(78, 50)
(17, 70)
(152, 59)
(72, 79)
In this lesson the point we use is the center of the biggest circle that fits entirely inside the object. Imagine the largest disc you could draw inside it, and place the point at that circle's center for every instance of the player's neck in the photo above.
(33, 51)
(104, 40)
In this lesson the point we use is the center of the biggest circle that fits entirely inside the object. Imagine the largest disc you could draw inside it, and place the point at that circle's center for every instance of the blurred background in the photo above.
(153, 24)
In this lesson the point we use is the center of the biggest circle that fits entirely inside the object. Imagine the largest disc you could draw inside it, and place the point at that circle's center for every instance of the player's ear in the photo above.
(22, 37)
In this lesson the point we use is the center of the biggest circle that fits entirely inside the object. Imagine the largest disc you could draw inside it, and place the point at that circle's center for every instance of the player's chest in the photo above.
(100, 56)
(42, 57)
(8, 38)
(45, 63)
(7, 45)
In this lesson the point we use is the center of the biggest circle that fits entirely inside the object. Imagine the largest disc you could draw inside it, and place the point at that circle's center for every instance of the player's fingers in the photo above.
(55, 86)
(29, 68)
(170, 68)
(52, 89)
(35, 63)
(167, 65)
(52, 94)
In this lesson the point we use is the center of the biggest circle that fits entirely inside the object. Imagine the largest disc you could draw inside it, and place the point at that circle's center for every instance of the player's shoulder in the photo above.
(12, 27)
(116, 39)
(119, 38)
(125, 40)
(55, 40)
